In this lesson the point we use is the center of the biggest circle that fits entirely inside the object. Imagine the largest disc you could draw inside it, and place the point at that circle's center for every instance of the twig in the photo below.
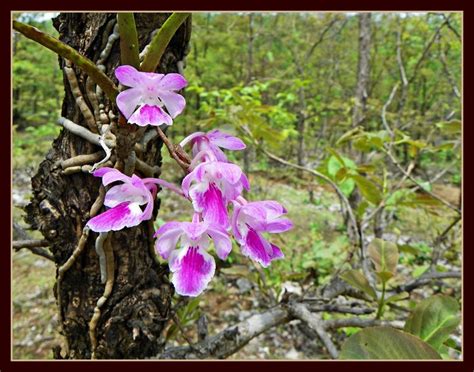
(437, 243)
(231, 339)
(360, 323)
(34, 247)
(426, 279)
(315, 322)
(384, 111)
(412, 179)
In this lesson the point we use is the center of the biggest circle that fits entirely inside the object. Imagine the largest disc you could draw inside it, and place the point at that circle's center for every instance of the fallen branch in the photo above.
(232, 339)
(34, 246)
(315, 322)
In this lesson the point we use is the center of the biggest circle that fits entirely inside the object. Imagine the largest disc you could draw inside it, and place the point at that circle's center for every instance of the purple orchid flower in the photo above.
(124, 200)
(214, 185)
(250, 220)
(150, 92)
(213, 141)
(191, 265)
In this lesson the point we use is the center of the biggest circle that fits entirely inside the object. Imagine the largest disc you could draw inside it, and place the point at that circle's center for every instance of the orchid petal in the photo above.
(191, 138)
(150, 115)
(192, 271)
(172, 225)
(174, 103)
(222, 242)
(225, 140)
(193, 230)
(172, 81)
(123, 215)
(258, 249)
(128, 100)
(130, 77)
(231, 172)
(211, 204)
(279, 225)
(165, 244)
(110, 175)
(124, 192)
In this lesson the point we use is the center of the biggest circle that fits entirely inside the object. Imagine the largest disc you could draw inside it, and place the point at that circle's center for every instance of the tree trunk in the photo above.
(133, 317)
(363, 70)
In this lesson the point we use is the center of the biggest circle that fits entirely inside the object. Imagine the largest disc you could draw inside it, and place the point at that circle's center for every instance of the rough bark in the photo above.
(363, 69)
(137, 310)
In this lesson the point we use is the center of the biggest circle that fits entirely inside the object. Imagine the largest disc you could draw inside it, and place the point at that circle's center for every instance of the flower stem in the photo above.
(381, 302)
(172, 150)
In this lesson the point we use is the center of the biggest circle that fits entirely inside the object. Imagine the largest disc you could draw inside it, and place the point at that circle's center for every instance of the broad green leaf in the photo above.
(356, 279)
(450, 127)
(368, 189)
(347, 186)
(434, 319)
(420, 270)
(386, 343)
(384, 255)
(348, 135)
(406, 248)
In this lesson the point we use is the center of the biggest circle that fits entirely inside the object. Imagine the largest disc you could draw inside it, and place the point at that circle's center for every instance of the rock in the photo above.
(292, 354)
(244, 285)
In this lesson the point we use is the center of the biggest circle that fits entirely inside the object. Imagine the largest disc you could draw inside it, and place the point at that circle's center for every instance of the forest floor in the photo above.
(317, 243)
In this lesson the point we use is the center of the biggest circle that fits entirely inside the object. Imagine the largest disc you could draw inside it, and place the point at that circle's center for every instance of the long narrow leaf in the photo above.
(161, 41)
(71, 54)
(129, 54)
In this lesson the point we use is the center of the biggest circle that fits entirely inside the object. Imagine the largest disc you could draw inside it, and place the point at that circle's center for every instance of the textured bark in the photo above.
(363, 70)
(136, 312)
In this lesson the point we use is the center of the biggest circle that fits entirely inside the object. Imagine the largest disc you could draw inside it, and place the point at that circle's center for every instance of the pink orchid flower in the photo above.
(250, 220)
(125, 200)
(191, 265)
(213, 141)
(211, 186)
(150, 92)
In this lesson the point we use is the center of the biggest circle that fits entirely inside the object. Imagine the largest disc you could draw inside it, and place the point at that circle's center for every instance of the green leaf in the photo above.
(161, 40)
(368, 189)
(386, 343)
(450, 127)
(397, 297)
(65, 51)
(356, 279)
(129, 54)
(420, 270)
(347, 186)
(384, 255)
(434, 319)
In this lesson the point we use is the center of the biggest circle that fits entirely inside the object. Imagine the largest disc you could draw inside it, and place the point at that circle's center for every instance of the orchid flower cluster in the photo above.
(214, 186)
